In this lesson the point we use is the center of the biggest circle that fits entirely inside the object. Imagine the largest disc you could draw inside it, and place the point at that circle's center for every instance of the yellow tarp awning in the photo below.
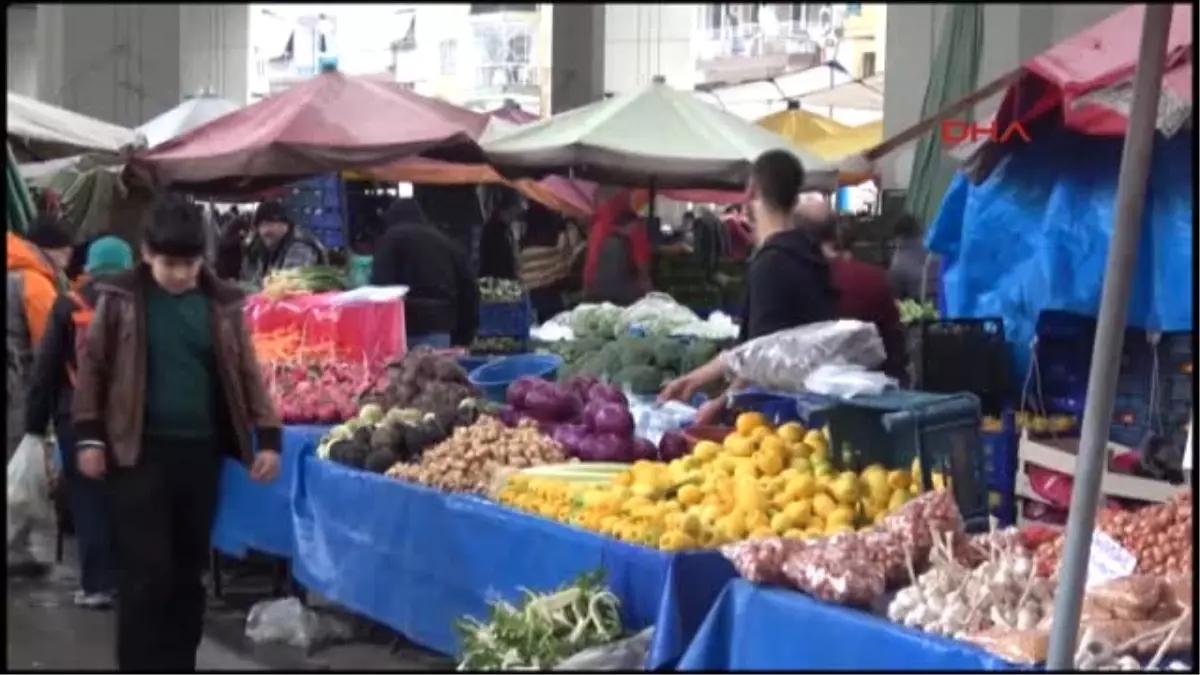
(848, 142)
(801, 127)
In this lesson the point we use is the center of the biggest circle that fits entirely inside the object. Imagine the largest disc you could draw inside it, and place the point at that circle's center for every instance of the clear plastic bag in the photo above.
(785, 359)
(846, 381)
(626, 654)
(288, 621)
(28, 487)
(656, 314)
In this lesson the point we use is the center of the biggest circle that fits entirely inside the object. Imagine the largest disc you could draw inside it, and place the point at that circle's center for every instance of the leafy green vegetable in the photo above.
(494, 290)
(544, 629)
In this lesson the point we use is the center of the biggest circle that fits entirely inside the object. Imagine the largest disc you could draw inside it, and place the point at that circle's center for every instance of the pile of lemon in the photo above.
(759, 482)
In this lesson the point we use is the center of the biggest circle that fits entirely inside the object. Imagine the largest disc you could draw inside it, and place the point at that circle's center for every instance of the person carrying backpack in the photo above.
(53, 385)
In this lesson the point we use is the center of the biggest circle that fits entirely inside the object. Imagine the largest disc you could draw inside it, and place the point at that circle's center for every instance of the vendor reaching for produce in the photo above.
(863, 290)
(277, 245)
(166, 386)
(442, 307)
(788, 283)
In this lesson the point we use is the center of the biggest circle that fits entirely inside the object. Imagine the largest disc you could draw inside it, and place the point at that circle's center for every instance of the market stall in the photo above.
(253, 516)
(38, 132)
(424, 559)
(286, 137)
(756, 628)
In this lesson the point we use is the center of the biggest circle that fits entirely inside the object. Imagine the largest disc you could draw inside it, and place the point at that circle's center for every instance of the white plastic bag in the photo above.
(844, 381)
(28, 487)
(784, 360)
(627, 654)
(288, 621)
(655, 314)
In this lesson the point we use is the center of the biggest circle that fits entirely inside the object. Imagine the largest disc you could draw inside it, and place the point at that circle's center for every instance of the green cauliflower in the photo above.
(698, 353)
(640, 380)
(668, 353)
(637, 352)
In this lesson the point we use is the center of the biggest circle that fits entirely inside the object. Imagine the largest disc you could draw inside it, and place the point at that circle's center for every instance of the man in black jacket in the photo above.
(50, 401)
(277, 245)
(442, 306)
(788, 283)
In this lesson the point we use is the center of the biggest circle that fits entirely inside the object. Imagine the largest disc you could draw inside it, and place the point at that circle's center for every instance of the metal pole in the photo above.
(1110, 333)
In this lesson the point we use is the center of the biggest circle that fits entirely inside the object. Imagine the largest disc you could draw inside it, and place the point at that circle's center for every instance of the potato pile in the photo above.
(470, 457)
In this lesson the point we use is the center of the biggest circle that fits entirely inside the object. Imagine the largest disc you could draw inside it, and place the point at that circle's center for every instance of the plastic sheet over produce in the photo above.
(417, 560)
(253, 516)
(366, 323)
(783, 360)
(765, 629)
(1034, 236)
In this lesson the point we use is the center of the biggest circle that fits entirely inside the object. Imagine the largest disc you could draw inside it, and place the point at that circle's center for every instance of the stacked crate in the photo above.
(316, 204)
(1154, 395)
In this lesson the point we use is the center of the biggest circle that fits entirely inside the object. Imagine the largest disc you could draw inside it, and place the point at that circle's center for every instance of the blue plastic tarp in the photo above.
(418, 560)
(255, 516)
(1034, 235)
(770, 629)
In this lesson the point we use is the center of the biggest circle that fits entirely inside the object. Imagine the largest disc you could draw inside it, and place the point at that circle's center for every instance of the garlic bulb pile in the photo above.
(952, 599)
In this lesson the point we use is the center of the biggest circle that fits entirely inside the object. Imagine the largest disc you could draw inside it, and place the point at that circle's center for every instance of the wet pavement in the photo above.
(47, 632)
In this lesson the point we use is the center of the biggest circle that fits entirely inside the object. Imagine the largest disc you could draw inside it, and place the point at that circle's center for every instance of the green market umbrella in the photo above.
(20, 204)
(655, 136)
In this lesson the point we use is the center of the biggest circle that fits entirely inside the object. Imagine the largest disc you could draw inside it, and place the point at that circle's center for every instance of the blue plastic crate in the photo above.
(896, 427)
(506, 319)
(1000, 448)
(780, 407)
(1004, 507)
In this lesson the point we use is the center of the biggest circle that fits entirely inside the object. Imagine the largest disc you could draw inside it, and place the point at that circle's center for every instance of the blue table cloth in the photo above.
(755, 628)
(418, 560)
(255, 516)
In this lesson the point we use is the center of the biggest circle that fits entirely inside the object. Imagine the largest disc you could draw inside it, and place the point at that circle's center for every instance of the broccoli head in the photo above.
(668, 353)
(640, 380)
(637, 352)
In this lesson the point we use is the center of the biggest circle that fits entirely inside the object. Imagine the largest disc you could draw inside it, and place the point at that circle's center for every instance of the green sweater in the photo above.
(181, 369)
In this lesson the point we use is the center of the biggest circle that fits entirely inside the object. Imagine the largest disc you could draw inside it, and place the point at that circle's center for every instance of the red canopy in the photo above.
(332, 122)
(1089, 76)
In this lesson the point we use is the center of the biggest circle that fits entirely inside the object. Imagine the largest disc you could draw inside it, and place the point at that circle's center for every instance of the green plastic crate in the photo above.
(896, 427)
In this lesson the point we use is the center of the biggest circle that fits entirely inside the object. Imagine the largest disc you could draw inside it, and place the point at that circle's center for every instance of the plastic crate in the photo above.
(896, 427)
(1003, 507)
(1000, 447)
(506, 319)
(963, 355)
(806, 408)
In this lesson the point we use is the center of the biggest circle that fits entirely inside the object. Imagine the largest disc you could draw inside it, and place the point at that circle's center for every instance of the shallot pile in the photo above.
(1159, 536)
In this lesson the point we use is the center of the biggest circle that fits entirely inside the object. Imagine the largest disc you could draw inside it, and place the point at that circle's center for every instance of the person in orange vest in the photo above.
(49, 402)
(35, 278)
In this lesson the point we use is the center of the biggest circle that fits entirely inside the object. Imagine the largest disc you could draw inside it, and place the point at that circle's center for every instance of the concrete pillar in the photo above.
(644, 40)
(22, 49)
(127, 63)
(215, 50)
(577, 37)
(1013, 34)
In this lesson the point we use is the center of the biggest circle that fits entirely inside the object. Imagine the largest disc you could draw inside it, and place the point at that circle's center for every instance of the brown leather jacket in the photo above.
(109, 395)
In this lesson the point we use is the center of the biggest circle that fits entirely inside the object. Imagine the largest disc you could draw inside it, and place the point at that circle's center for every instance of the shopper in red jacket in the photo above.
(863, 289)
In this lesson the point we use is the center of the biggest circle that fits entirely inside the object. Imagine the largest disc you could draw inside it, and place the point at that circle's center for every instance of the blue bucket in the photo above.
(495, 377)
(470, 363)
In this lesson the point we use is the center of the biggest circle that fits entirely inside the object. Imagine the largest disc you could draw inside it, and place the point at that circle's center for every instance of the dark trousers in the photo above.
(89, 505)
(164, 508)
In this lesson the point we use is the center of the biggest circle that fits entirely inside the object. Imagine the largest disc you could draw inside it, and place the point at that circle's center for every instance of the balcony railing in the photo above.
(756, 39)
(507, 76)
